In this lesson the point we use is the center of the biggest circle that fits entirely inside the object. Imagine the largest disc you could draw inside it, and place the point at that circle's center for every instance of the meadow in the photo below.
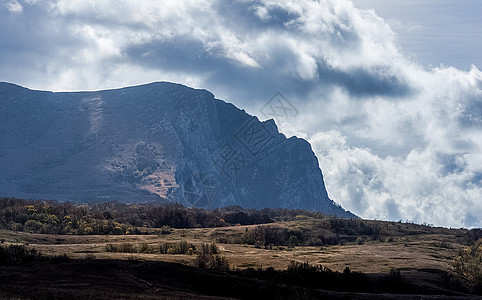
(279, 254)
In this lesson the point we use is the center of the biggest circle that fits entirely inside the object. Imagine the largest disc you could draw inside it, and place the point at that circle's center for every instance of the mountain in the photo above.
(155, 142)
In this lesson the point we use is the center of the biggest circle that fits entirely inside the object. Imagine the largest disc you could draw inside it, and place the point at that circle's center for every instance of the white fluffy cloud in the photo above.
(13, 6)
(415, 158)
(395, 140)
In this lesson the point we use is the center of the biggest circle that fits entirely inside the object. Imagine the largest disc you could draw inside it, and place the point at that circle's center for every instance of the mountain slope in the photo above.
(155, 142)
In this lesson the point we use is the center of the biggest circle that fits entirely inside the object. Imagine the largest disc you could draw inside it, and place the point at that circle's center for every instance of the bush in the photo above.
(143, 248)
(181, 247)
(220, 263)
(17, 253)
(166, 229)
(123, 248)
(292, 241)
(129, 248)
(209, 248)
(32, 226)
(203, 260)
(297, 267)
(59, 258)
(207, 260)
(469, 265)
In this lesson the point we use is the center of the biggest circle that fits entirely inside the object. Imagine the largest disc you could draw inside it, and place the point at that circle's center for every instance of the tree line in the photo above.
(119, 218)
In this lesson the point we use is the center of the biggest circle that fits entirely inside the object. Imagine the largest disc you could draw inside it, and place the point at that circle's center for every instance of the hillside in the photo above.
(280, 254)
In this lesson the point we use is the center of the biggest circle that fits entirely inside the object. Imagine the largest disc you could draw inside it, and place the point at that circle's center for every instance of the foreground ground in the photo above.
(125, 279)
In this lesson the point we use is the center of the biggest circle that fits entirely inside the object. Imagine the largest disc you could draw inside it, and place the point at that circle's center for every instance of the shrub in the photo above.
(89, 256)
(17, 253)
(469, 265)
(208, 260)
(143, 248)
(123, 248)
(203, 260)
(209, 248)
(220, 263)
(297, 267)
(347, 271)
(59, 258)
(32, 226)
(166, 229)
(181, 247)
(292, 241)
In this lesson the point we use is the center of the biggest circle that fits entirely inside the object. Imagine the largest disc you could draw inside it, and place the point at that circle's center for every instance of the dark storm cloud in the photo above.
(30, 42)
(190, 55)
(364, 83)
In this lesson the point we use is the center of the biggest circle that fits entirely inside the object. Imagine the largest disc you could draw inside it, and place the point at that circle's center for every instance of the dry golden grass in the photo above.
(405, 252)
(424, 255)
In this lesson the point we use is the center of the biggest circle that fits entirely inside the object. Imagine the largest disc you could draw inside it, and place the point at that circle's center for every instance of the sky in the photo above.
(388, 94)
(434, 32)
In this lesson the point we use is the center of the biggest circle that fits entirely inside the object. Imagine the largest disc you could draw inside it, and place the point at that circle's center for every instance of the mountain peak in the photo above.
(160, 141)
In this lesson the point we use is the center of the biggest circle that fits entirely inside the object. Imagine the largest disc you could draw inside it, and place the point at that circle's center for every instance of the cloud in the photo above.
(395, 140)
(414, 187)
(13, 6)
(417, 158)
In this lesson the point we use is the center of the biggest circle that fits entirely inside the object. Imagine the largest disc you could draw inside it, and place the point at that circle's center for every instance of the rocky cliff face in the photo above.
(156, 142)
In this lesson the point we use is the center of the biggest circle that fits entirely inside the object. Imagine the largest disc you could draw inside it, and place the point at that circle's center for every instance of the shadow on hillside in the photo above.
(131, 279)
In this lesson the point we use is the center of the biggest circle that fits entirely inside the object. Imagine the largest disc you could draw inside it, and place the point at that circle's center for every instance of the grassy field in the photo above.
(421, 255)
(404, 252)
(53, 250)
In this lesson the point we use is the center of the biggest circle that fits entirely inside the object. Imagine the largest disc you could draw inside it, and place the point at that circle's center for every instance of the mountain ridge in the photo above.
(159, 141)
